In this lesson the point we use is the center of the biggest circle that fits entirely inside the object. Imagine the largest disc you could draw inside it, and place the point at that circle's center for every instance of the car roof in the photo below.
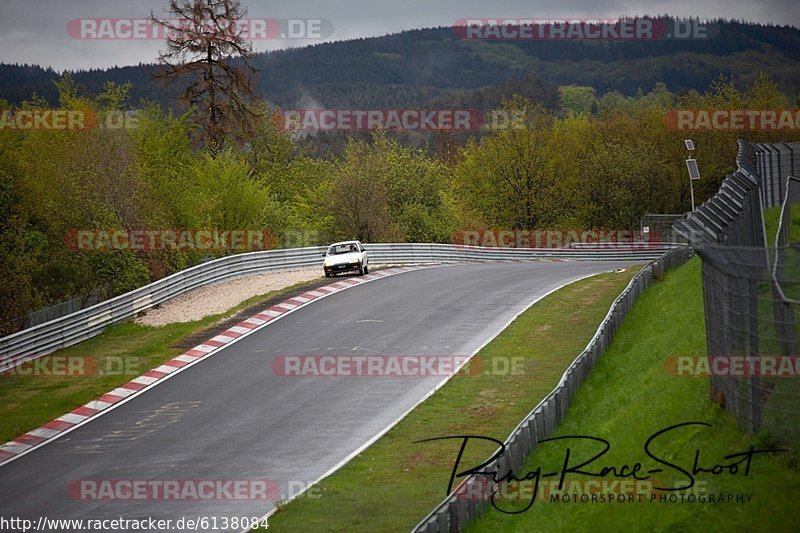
(344, 242)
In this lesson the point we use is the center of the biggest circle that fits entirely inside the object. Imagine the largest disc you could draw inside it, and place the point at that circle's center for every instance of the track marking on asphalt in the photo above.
(69, 422)
(430, 393)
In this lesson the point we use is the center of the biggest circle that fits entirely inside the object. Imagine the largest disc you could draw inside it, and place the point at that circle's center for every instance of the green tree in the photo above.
(577, 98)
(507, 177)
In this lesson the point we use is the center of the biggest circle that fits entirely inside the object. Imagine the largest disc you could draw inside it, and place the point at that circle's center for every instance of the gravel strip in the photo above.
(215, 299)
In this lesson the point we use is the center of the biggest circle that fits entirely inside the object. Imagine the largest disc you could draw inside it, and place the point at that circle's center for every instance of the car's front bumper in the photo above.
(342, 267)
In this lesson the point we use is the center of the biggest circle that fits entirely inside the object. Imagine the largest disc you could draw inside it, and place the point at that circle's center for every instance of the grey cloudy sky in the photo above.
(35, 31)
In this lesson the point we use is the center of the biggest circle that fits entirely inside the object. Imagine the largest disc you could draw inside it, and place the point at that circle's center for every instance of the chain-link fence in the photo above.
(750, 247)
(473, 494)
(659, 227)
(52, 312)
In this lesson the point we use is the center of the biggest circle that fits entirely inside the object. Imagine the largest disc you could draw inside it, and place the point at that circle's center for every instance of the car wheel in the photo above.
(366, 269)
(327, 274)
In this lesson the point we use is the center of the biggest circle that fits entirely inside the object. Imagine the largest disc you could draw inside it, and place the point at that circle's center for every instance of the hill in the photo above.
(416, 67)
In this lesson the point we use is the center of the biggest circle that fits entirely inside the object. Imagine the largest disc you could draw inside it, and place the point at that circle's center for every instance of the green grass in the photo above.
(772, 217)
(122, 352)
(630, 396)
(395, 482)
(780, 412)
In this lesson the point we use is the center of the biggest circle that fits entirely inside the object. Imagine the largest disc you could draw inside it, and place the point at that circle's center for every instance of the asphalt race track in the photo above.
(230, 417)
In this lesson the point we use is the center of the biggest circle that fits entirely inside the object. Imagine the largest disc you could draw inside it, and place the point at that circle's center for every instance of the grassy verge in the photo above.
(395, 482)
(87, 370)
(630, 396)
(772, 217)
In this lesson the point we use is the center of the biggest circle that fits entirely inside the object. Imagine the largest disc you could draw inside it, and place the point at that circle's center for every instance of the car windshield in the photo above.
(337, 249)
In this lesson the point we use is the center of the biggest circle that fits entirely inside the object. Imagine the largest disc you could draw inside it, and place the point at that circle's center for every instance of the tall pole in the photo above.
(691, 166)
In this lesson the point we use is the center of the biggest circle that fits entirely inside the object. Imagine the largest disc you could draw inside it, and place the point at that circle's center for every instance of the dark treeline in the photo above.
(413, 68)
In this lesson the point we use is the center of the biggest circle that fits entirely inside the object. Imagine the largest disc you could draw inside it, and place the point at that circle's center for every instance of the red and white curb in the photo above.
(77, 417)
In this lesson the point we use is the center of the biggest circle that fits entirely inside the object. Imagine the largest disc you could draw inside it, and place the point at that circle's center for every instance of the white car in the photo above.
(346, 256)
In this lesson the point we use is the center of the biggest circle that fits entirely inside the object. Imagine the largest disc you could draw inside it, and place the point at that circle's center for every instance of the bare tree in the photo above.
(208, 51)
(359, 201)
(360, 207)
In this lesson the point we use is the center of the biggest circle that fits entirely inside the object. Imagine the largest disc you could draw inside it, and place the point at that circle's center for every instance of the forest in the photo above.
(589, 155)
(414, 68)
(566, 169)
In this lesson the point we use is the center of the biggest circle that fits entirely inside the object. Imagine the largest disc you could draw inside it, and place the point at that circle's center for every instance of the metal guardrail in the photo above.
(71, 329)
(655, 246)
(474, 493)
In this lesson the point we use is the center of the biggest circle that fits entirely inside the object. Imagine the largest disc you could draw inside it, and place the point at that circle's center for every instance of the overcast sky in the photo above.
(36, 31)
